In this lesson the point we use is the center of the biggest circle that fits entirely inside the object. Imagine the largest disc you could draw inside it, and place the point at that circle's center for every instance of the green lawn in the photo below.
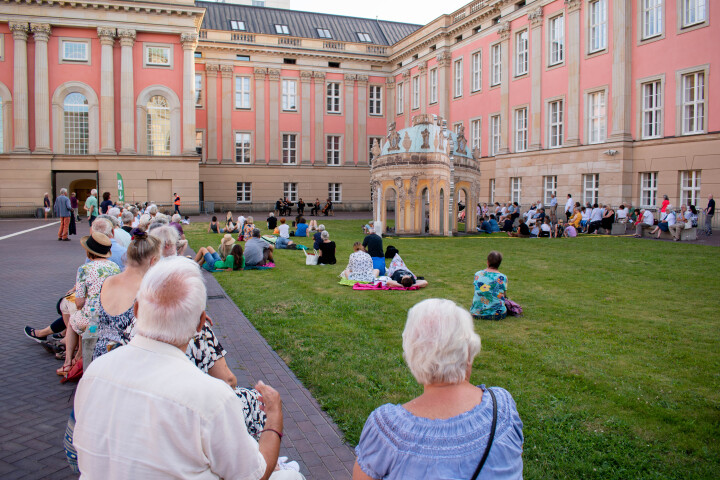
(615, 366)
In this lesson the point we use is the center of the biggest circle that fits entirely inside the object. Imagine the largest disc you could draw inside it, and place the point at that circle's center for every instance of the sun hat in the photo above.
(98, 244)
(227, 240)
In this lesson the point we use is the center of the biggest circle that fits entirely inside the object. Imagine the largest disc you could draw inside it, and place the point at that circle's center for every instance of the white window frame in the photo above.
(244, 192)
(335, 192)
(491, 190)
(690, 187)
(415, 92)
(521, 129)
(281, 29)
(652, 18)
(289, 95)
(433, 86)
(521, 53)
(147, 47)
(597, 26)
(556, 123)
(75, 41)
(693, 107)
(290, 191)
(549, 188)
(458, 78)
(692, 13)
(241, 94)
(333, 98)
(400, 98)
(323, 33)
(556, 40)
(333, 150)
(476, 133)
(242, 151)
(591, 188)
(199, 97)
(202, 143)
(596, 108)
(648, 189)
(237, 25)
(476, 72)
(651, 98)
(495, 65)
(289, 148)
(364, 37)
(494, 134)
(516, 190)
(375, 106)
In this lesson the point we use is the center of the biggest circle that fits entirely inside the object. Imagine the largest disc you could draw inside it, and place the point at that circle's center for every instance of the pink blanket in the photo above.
(379, 286)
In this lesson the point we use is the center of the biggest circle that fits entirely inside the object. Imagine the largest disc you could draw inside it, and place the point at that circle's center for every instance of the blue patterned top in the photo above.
(111, 328)
(395, 444)
(489, 298)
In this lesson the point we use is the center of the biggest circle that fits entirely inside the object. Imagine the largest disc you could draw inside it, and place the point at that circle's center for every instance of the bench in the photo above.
(685, 235)
(618, 229)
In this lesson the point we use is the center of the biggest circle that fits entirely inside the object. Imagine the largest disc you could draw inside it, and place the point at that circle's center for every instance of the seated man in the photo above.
(283, 240)
(596, 216)
(374, 245)
(522, 232)
(258, 252)
(399, 276)
(172, 420)
(507, 224)
(485, 225)
(645, 220)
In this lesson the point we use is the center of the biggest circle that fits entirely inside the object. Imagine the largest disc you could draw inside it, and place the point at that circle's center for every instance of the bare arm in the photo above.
(269, 443)
(358, 474)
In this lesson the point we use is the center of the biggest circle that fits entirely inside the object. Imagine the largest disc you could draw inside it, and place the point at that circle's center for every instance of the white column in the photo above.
(407, 93)
(305, 77)
(189, 42)
(423, 87)
(444, 60)
(260, 154)
(621, 89)
(41, 34)
(504, 87)
(228, 142)
(536, 46)
(273, 155)
(362, 115)
(349, 104)
(319, 82)
(127, 93)
(107, 90)
(389, 102)
(573, 62)
(211, 73)
(20, 88)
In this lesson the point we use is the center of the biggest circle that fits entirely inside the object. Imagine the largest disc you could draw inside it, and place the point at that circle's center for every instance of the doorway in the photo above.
(80, 182)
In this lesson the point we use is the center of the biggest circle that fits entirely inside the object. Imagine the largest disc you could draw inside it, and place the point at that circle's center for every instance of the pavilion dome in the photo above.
(425, 136)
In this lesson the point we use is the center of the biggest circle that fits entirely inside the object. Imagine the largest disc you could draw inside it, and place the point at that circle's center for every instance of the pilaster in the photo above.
(41, 35)
(444, 60)
(407, 93)
(107, 90)
(390, 100)
(305, 78)
(504, 33)
(319, 82)
(189, 42)
(20, 87)
(536, 47)
(211, 73)
(274, 90)
(228, 142)
(259, 79)
(621, 89)
(423, 87)
(349, 103)
(572, 117)
(127, 93)
(362, 142)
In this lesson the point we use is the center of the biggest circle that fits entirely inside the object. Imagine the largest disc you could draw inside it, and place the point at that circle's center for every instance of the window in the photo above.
(400, 98)
(521, 53)
(652, 18)
(652, 110)
(598, 25)
(323, 33)
(415, 92)
(158, 126)
(75, 51)
(244, 192)
(258, 3)
(555, 124)
(494, 134)
(335, 192)
(693, 11)
(364, 37)
(458, 82)
(596, 120)
(242, 58)
(333, 64)
(648, 189)
(521, 130)
(550, 188)
(290, 191)
(75, 117)
(157, 56)
(242, 147)
(690, 187)
(496, 65)
(557, 40)
(375, 100)
(333, 97)
(289, 95)
(371, 141)
(476, 134)
(591, 188)
(198, 91)
(282, 29)
(433, 85)
(515, 189)
(457, 127)
(199, 142)
(289, 149)
(237, 25)
(693, 96)
(332, 153)
(290, 61)
(492, 190)
(476, 75)
(242, 92)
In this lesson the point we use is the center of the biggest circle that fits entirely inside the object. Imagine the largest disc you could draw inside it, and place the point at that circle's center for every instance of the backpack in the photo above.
(513, 309)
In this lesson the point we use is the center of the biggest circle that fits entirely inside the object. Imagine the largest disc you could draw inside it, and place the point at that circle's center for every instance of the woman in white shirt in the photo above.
(622, 214)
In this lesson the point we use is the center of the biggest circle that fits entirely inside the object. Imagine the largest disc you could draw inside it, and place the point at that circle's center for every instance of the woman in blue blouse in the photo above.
(443, 433)
(490, 289)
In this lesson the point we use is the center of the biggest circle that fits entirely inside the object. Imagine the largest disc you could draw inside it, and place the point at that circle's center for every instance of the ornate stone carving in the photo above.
(106, 36)
(390, 82)
(406, 74)
(349, 78)
(423, 67)
(422, 119)
(189, 41)
(436, 140)
(412, 191)
(426, 136)
(227, 70)
(362, 80)
(305, 76)
(41, 31)
(407, 142)
(212, 69)
(376, 150)
(535, 17)
(573, 5)
(444, 59)
(274, 74)
(476, 154)
(393, 137)
(319, 75)
(461, 140)
(400, 185)
(504, 30)
(19, 30)
(127, 37)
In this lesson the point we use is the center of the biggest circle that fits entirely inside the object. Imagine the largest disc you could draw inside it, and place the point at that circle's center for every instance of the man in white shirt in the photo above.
(146, 411)
(648, 220)
(553, 208)
(569, 206)
(681, 219)
(595, 219)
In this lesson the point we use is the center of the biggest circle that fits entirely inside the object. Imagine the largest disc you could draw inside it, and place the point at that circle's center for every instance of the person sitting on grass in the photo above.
(570, 231)
(446, 431)
(229, 257)
(283, 239)
(258, 252)
(490, 290)
(374, 245)
(360, 266)
(326, 253)
(301, 228)
(575, 219)
(230, 226)
(213, 227)
(507, 224)
(368, 226)
(271, 222)
(248, 228)
(317, 238)
(545, 230)
(557, 229)
(522, 232)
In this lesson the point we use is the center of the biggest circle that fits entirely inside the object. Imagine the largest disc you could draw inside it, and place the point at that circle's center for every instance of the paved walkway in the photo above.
(35, 406)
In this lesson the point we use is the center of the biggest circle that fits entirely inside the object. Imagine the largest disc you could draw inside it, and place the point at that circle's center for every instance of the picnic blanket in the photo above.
(380, 286)
(350, 283)
(270, 238)
(267, 266)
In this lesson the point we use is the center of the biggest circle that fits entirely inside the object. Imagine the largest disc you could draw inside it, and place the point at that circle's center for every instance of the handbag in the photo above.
(311, 259)
(492, 435)
(688, 225)
(513, 308)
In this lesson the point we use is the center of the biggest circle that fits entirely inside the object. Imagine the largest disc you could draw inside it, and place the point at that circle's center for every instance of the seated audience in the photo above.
(558, 229)
(575, 218)
(213, 227)
(317, 238)
(666, 221)
(169, 238)
(645, 220)
(248, 228)
(312, 225)
(622, 214)
(374, 245)
(271, 222)
(570, 231)
(585, 215)
(522, 232)
(399, 275)
(535, 231)
(545, 229)
(283, 239)
(176, 223)
(228, 257)
(326, 251)
(681, 220)
(360, 265)
(120, 235)
(368, 226)
(608, 219)
(596, 216)
(127, 219)
(103, 224)
(301, 228)
(507, 224)
(443, 433)
(230, 226)
(490, 290)
(258, 252)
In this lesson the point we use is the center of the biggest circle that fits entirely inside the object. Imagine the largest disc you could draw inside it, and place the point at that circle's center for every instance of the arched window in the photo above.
(75, 116)
(158, 126)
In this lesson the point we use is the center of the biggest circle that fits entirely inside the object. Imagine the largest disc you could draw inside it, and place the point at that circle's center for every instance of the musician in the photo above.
(328, 207)
(301, 207)
(316, 207)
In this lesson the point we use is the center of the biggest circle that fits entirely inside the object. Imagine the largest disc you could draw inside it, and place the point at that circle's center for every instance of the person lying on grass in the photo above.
(400, 276)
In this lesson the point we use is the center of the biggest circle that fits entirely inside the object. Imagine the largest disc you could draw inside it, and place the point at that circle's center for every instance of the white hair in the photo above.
(102, 225)
(145, 220)
(168, 235)
(177, 218)
(93, 192)
(324, 235)
(439, 341)
(321, 228)
(62, 191)
(170, 301)
(127, 217)
(152, 209)
(113, 220)
(114, 212)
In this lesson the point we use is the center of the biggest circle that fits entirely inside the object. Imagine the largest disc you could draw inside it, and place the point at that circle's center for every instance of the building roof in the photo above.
(262, 20)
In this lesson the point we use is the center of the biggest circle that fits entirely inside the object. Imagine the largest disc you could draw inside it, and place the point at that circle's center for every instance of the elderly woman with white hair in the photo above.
(171, 243)
(448, 431)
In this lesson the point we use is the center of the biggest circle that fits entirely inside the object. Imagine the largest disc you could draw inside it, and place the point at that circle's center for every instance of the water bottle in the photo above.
(90, 337)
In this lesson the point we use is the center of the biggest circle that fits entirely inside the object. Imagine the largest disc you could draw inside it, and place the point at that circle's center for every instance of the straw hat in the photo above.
(227, 240)
(98, 244)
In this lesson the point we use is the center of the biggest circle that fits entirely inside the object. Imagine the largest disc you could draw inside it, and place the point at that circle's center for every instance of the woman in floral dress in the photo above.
(490, 288)
(360, 266)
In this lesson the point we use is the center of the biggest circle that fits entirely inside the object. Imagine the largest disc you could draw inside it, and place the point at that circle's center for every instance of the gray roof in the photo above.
(303, 24)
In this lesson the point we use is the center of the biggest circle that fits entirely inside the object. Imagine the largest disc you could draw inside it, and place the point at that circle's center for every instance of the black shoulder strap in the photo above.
(492, 435)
